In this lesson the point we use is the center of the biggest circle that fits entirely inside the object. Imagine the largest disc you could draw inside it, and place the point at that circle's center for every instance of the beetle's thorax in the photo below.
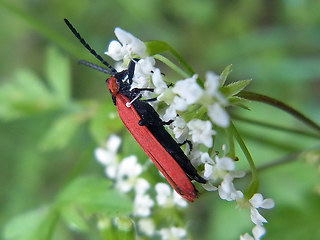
(113, 85)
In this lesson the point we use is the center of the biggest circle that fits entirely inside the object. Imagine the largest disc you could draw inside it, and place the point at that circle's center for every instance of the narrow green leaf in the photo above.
(225, 73)
(94, 195)
(238, 101)
(234, 88)
(58, 74)
(278, 104)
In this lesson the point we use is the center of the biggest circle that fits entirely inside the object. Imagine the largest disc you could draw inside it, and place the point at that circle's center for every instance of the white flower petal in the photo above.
(258, 231)
(115, 50)
(246, 236)
(209, 187)
(205, 158)
(104, 156)
(225, 163)
(201, 132)
(141, 186)
(227, 190)
(180, 129)
(267, 203)
(208, 171)
(113, 143)
(188, 89)
(160, 85)
(142, 205)
(130, 42)
(145, 66)
(146, 226)
(256, 217)
(130, 166)
(128, 171)
(170, 113)
(256, 200)
(179, 103)
(111, 171)
(163, 193)
(237, 174)
(212, 83)
(218, 115)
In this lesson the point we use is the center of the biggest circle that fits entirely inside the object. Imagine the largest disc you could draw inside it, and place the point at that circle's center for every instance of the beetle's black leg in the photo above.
(188, 142)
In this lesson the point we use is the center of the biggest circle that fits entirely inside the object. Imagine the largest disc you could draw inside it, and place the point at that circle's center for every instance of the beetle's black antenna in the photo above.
(96, 67)
(92, 51)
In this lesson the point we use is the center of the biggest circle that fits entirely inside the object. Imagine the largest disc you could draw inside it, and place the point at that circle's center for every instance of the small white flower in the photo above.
(143, 74)
(195, 155)
(258, 231)
(218, 115)
(170, 113)
(115, 50)
(128, 46)
(188, 89)
(256, 202)
(108, 157)
(168, 198)
(160, 85)
(227, 190)
(218, 168)
(222, 168)
(201, 132)
(141, 186)
(128, 172)
(142, 205)
(172, 233)
(180, 129)
(179, 104)
(215, 101)
(146, 226)
(253, 204)
(184, 93)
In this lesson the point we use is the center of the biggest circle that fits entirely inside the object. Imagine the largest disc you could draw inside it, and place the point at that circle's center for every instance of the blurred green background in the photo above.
(54, 112)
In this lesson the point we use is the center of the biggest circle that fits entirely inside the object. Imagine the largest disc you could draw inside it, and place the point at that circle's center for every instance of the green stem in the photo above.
(286, 159)
(190, 71)
(155, 47)
(273, 102)
(170, 64)
(275, 127)
(271, 142)
(254, 185)
(232, 152)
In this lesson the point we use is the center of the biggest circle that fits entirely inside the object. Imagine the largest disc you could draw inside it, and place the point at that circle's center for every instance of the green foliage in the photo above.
(81, 199)
(94, 195)
(234, 87)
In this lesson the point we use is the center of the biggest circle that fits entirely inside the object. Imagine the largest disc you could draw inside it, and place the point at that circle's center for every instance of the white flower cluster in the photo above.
(221, 170)
(178, 98)
(126, 175)
(186, 93)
